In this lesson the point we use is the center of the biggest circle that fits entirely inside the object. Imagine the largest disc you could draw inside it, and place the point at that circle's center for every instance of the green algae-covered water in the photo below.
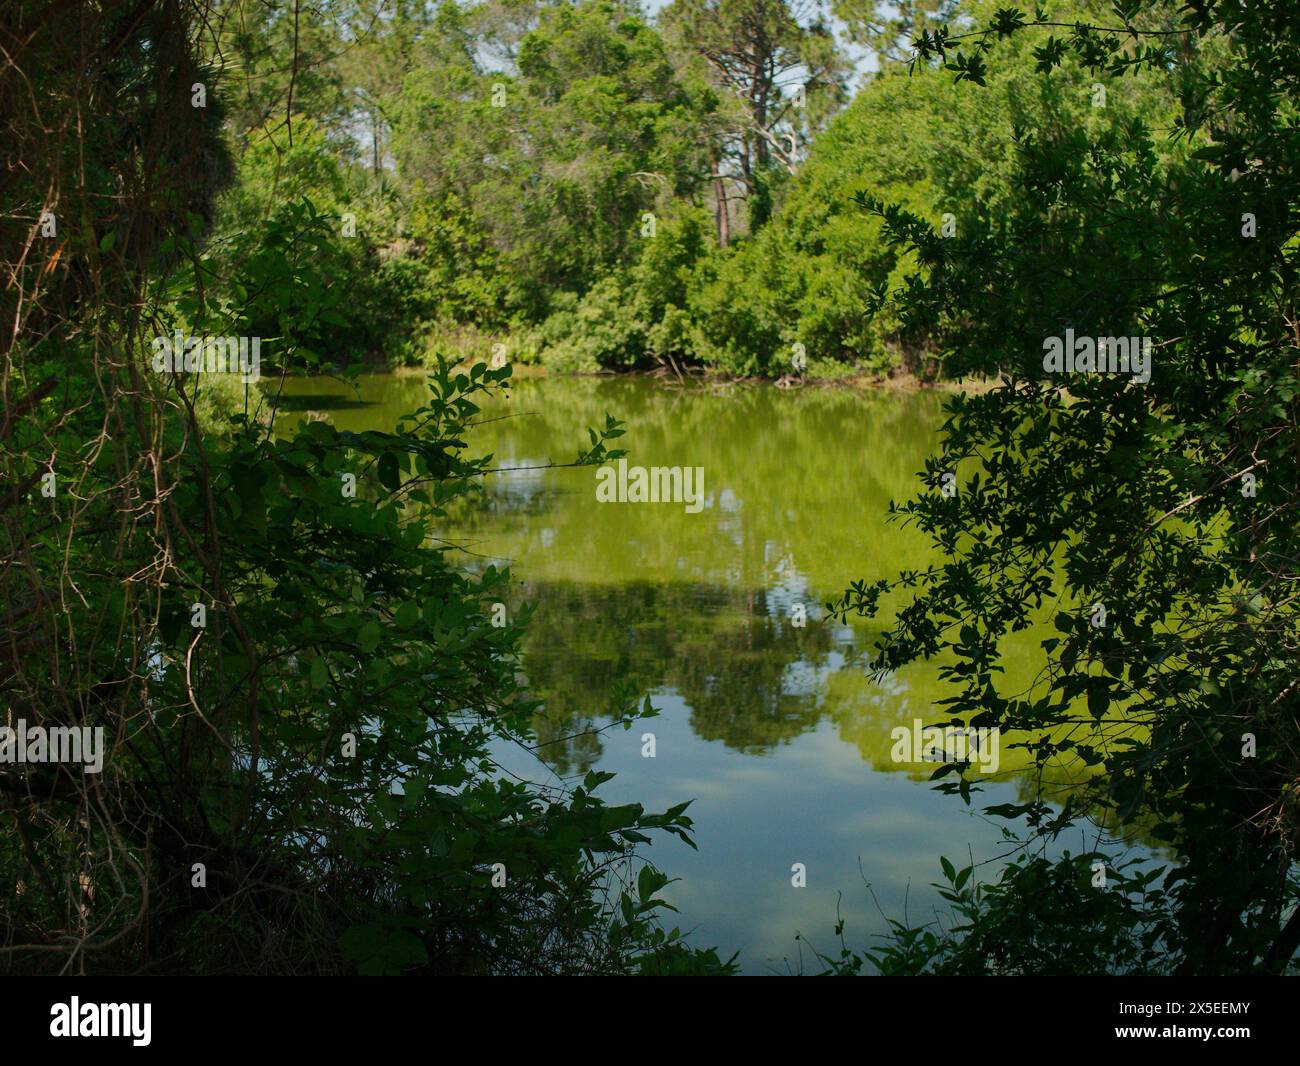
(774, 729)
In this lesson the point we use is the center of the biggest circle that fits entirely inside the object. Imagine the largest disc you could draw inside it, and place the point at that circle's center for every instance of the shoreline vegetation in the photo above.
(659, 230)
(900, 381)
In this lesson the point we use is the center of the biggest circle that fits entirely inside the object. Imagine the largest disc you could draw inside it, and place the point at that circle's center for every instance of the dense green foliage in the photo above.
(300, 693)
(914, 140)
(588, 189)
(1154, 522)
(557, 178)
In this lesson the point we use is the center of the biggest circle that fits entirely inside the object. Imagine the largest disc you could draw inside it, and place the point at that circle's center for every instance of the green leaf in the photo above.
(390, 475)
(1098, 699)
(368, 636)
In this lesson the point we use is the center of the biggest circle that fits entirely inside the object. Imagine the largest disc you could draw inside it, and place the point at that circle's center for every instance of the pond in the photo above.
(774, 729)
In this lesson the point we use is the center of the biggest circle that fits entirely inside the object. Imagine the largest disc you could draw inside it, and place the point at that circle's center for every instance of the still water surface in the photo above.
(774, 731)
